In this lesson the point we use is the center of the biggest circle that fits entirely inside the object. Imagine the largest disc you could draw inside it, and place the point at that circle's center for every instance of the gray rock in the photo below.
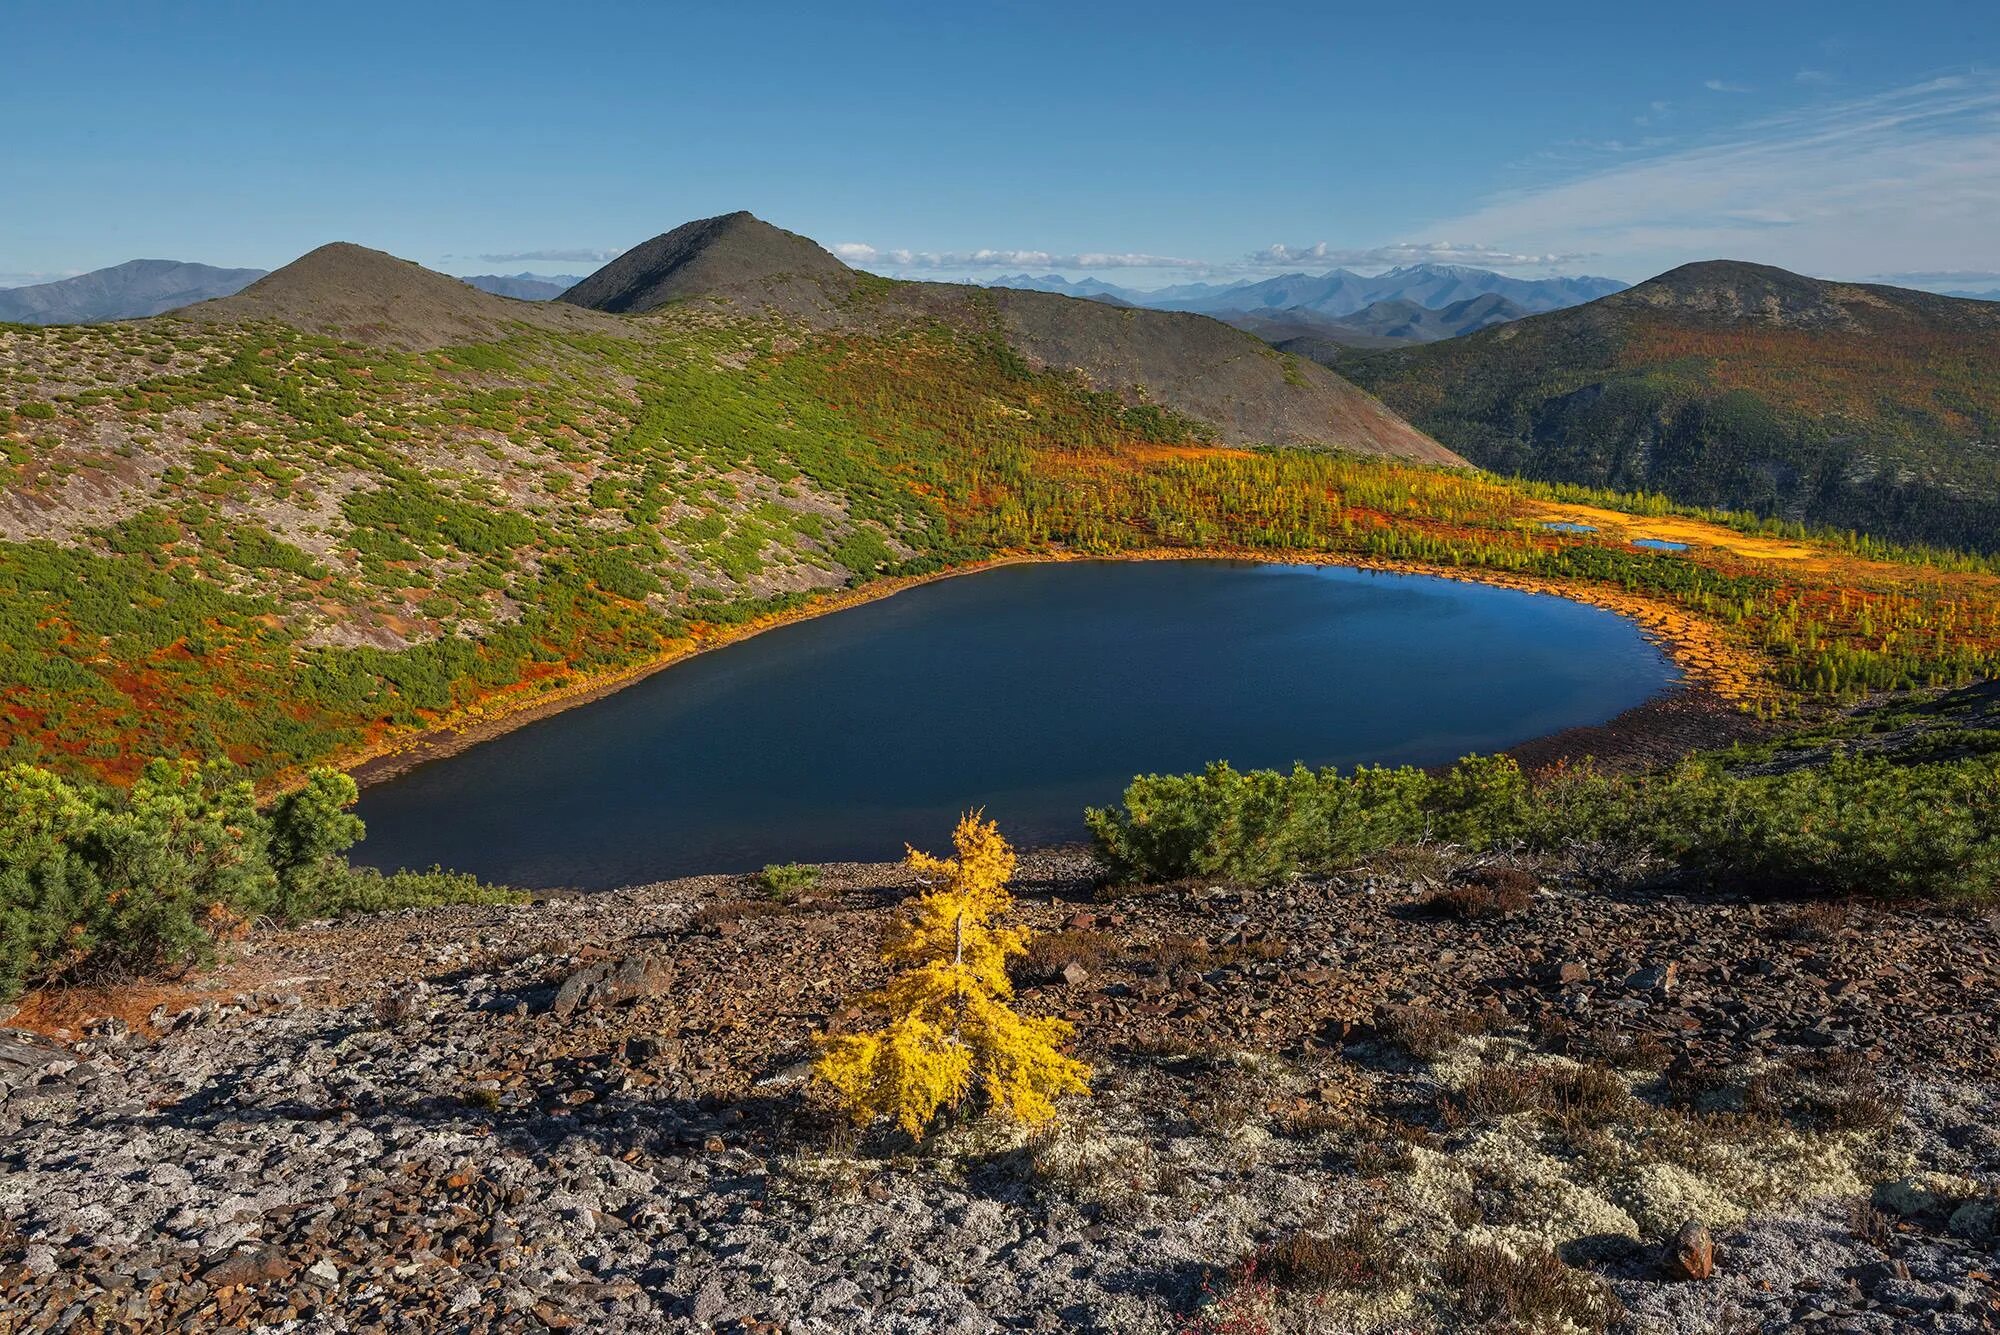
(613, 983)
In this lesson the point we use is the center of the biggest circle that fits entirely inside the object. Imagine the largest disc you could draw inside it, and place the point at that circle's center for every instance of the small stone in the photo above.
(324, 1273)
(1660, 979)
(1074, 974)
(1692, 1256)
(244, 1268)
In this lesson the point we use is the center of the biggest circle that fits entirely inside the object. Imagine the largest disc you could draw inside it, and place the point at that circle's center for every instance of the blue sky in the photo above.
(1146, 143)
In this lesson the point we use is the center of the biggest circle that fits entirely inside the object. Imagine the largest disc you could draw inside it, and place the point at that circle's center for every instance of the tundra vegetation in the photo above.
(249, 543)
(1865, 408)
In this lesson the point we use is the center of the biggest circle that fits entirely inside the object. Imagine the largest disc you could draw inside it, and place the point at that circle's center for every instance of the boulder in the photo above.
(613, 983)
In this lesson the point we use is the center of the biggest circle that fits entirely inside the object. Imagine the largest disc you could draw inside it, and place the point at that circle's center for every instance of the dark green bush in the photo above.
(1855, 825)
(1264, 825)
(310, 830)
(47, 886)
(145, 880)
(784, 880)
(364, 890)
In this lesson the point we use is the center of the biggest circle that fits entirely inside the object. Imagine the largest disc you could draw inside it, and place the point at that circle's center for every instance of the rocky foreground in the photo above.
(1346, 1104)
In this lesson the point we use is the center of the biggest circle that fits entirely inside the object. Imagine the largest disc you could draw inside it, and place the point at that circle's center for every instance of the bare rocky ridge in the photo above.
(587, 1114)
(1734, 293)
(373, 297)
(1207, 370)
(736, 256)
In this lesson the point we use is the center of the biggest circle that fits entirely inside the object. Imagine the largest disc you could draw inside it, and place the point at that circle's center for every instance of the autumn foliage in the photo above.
(949, 1030)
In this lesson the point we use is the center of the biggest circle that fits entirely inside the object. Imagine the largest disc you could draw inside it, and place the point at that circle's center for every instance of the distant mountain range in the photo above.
(1384, 324)
(1319, 315)
(1741, 385)
(127, 291)
(1082, 287)
(524, 286)
(1339, 292)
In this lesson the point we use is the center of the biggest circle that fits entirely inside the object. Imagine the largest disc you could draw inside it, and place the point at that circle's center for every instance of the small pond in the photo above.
(1030, 690)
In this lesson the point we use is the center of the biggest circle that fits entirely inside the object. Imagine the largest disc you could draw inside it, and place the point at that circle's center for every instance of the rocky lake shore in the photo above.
(1366, 1102)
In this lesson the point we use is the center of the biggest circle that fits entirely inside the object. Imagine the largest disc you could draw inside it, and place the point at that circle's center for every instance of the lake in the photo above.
(1030, 690)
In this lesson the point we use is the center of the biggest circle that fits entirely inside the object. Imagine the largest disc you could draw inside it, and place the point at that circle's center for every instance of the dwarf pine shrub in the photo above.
(1855, 825)
(784, 881)
(145, 880)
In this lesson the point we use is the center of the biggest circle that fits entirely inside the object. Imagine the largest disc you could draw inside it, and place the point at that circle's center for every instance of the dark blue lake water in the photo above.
(1032, 691)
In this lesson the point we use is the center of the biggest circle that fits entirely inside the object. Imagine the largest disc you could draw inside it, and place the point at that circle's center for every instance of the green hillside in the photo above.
(367, 496)
(1734, 385)
(360, 500)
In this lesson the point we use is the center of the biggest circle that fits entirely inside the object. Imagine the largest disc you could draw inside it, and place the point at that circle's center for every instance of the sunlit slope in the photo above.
(1738, 385)
(221, 537)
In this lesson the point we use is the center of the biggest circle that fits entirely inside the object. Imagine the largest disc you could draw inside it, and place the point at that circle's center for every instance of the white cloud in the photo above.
(1943, 276)
(1318, 255)
(1724, 86)
(1405, 252)
(866, 256)
(1812, 77)
(1909, 177)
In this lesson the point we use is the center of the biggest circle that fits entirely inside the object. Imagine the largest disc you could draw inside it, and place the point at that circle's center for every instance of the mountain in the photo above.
(1300, 331)
(127, 291)
(1334, 294)
(1380, 324)
(736, 257)
(1738, 385)
(523, 286)
(1280, 327)
(1165, 296)
(1440, 285)
(374, 297)
(1234, 384)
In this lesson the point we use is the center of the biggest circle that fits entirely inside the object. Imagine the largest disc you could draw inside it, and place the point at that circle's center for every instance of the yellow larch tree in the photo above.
(949, 1027)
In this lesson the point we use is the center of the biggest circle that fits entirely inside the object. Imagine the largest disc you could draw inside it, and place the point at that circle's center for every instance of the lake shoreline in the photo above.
(1719, 673)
